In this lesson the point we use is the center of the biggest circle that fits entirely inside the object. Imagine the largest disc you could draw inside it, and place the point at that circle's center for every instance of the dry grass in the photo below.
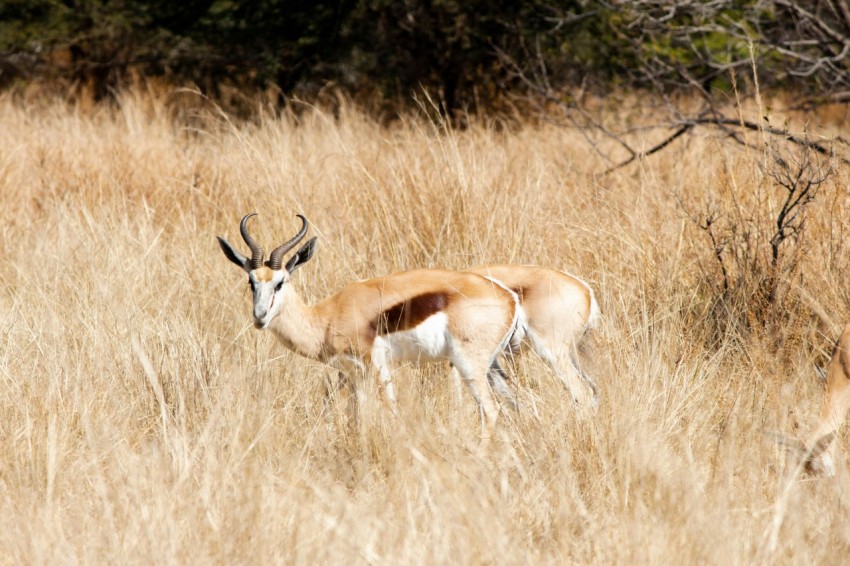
(143, 419)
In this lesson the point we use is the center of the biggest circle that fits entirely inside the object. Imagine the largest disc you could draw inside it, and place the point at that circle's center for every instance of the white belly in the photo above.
(427, 342)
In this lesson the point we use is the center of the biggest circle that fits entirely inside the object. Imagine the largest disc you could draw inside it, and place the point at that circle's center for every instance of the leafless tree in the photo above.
(699, 48)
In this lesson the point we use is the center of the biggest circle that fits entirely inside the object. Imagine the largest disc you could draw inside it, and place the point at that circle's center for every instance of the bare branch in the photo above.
(667, 141)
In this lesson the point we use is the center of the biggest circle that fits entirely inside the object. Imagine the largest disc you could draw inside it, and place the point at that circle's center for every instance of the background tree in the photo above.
(471, 55)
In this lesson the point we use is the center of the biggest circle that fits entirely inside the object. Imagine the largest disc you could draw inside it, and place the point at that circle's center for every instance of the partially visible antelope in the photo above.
(559, 309)
(423, 315)
(816, 453)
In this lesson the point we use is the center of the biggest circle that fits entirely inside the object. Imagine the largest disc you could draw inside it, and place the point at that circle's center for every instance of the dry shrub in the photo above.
(758, 227)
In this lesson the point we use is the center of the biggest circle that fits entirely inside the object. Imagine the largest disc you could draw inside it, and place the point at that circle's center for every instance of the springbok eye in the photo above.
(278, 287)
(251, 284)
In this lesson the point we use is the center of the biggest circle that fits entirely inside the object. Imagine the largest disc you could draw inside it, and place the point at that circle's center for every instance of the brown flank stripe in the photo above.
(409, 314)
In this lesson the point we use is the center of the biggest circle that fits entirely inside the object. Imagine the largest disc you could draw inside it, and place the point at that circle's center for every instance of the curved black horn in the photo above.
(256, 250)
(276, 259)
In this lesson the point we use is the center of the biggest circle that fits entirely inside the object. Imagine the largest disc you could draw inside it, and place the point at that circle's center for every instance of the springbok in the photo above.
(424, 315)
(819, 446)
(559, 309)
(815, 454)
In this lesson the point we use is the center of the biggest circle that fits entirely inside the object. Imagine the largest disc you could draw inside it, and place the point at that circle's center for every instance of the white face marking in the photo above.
(824, 465)
(427, 342)
(267, 293)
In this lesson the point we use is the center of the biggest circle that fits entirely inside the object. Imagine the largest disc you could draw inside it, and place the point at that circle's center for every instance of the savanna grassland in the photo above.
(144, 420)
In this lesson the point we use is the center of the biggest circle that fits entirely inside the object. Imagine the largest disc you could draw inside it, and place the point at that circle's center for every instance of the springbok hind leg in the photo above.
(560, 360)
(499, 383)
(587, 379)
(473, 369)
(582, 394)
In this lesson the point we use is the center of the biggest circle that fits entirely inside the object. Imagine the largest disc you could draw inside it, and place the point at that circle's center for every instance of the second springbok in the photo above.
(820, 446)
(816, 453)
(423, 315)
(558, 309)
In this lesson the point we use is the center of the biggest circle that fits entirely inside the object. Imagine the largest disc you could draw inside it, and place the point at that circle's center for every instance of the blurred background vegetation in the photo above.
(471, 56)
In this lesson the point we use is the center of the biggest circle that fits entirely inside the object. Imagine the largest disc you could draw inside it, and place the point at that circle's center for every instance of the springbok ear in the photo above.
(821, 445)
(302, 256)
(232, 254)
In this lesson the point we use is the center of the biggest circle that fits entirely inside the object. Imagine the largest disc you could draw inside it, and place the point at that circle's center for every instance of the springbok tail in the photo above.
(519, 324)
(595, 313)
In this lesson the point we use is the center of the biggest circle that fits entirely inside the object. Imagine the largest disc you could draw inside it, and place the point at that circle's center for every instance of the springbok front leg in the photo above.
(380, 367)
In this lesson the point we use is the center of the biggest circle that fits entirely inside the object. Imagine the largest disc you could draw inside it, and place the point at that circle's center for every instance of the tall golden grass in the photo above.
(144, 420)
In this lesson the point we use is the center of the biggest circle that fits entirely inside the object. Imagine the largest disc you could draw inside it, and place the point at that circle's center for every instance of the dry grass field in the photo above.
(144, 420)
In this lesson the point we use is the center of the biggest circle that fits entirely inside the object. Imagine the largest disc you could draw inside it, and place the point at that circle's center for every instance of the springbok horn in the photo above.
(276, 259)
(256, 250)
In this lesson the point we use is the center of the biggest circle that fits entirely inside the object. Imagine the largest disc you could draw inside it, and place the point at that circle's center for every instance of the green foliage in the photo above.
(466, 54)
(32, 23)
